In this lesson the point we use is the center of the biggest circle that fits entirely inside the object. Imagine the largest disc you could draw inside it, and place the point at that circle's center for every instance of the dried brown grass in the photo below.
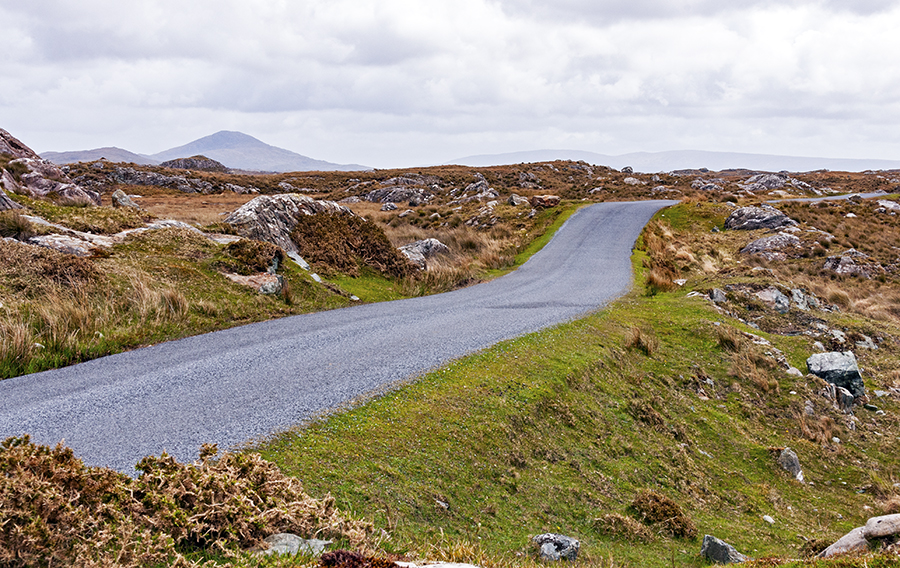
(643, 340)
(56, 511)
(623, 527)
(819, 430)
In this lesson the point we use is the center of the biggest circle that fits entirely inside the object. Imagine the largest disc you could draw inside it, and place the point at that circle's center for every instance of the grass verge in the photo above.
(562, 430)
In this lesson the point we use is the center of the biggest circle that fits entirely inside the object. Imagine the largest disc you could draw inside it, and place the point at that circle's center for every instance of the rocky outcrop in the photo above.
(544, 201)
(720, 552)
(419, 251)
(272, 218)
(763, 217)
(5, 202)
(198, 163)
(516, 200)
(553, 547)
(768, 182)
(850, 263)
(398, 194)
(28, 174)
(773, 247)
(774, 298)
(839, 369)
(131, 176)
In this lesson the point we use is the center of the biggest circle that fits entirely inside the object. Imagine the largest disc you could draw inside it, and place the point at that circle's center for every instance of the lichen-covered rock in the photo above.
(121, 199)
(775, 298)
(763, 217)
(850, 263)
(271, 218)
(398, 194)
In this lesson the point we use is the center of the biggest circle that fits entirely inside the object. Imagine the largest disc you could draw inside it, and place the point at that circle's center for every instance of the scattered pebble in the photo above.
(769, 519)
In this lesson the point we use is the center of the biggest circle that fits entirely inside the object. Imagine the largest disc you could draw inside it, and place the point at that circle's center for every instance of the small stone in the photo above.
(789, 462)
(556, 547)
(389, 206)
(717, 295)
(291, 544)
(768, 519)
(836, 440)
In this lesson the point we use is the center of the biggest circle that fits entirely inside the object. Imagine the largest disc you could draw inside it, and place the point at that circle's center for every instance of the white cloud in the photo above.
(395, 82)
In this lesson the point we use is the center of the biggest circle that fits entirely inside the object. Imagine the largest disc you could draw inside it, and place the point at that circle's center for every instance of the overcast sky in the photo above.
(391, 83)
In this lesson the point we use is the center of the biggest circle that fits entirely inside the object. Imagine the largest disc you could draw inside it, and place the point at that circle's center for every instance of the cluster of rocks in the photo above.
(768, 182)
(28, 174)
(78, 243)
(852, 263)
(479, 190)
(123, 175)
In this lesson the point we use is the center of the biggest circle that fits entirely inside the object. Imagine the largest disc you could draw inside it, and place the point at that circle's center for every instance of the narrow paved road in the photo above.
(232, 386)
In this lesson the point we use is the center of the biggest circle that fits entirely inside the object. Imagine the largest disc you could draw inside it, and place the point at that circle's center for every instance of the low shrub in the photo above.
(251, 257)
(659, 510)
(57, 511)
(343, 243)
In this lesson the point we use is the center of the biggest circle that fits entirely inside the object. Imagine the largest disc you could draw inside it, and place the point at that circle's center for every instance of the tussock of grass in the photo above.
(14, 225)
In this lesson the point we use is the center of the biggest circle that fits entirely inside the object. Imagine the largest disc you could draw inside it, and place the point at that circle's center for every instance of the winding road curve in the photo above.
(232, 386)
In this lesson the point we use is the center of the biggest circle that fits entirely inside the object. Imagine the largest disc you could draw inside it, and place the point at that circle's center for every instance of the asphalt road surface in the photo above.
(232, 386)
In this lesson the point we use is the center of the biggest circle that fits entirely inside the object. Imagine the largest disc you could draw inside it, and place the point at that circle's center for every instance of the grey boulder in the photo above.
(772, 248)
(790, 463)
(775, 298)
(882, 527)
(719, 551)
(853, 541)
(419, 251)
(555, 547)
(839, 369)
(271, 218)
(763, 217)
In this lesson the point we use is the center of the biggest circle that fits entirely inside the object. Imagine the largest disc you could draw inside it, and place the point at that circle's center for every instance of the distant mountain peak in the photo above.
(244, 152)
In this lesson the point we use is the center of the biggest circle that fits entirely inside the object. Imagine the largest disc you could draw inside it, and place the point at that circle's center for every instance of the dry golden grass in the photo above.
(819, 430)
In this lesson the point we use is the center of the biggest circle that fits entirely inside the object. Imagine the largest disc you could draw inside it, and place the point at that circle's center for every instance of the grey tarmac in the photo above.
(242, 384)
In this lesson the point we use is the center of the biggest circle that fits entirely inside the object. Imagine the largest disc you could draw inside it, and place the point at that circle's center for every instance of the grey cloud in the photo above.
(611, 11)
